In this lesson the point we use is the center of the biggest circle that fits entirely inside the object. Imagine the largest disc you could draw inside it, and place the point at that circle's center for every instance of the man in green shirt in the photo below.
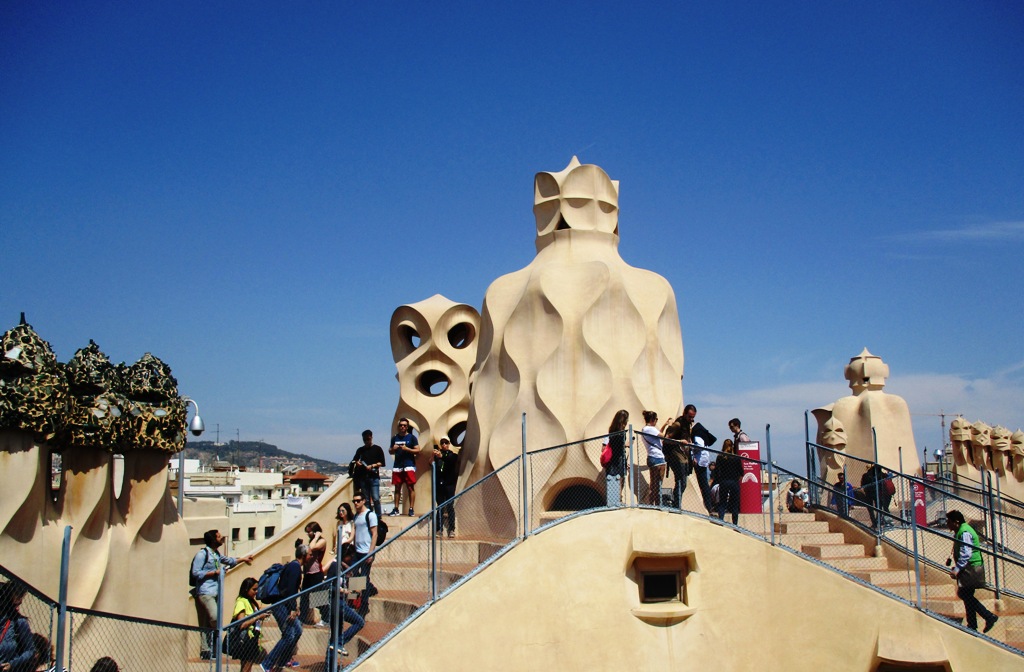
(968, 570)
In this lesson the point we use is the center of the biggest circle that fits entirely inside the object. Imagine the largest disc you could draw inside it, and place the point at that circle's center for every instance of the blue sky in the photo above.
(248, 190)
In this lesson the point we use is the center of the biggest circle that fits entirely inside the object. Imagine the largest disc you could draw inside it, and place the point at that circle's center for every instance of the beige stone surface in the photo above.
(135, 539)
(571, 338)
(434, 344)
(868, 407)
(568, 599)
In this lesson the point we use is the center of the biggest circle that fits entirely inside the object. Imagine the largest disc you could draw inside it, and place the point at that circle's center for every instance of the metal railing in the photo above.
(361, 605)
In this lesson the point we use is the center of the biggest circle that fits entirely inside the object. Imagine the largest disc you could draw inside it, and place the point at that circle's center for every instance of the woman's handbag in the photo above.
(606, 455)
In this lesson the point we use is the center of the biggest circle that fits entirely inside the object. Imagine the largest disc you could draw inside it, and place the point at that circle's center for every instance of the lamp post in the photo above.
(196, 427)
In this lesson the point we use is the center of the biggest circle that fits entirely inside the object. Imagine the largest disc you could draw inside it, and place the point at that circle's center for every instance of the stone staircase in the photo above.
(839, 544)
(403, 577)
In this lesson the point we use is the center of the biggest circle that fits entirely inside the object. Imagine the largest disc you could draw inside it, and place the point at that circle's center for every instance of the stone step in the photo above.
(852, 564)
(884, 577)
(830, 551)
(908, 589)
(798, 541)
(418, 549)
(953, 607)
(398, 576)
(802, 527)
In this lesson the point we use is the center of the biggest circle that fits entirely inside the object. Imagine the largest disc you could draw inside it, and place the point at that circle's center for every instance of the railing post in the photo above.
(917, 557)
(433, 533)
(336, 610)
(996, 546)
(635, 472)
(807, 446)
(62, 596)
(526, 496)
(899, 451)
(181, 481)
(217, 635)
(771, 482)
(878, 501)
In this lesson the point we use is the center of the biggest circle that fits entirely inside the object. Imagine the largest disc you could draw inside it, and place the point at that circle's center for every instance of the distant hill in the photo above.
(248, 453)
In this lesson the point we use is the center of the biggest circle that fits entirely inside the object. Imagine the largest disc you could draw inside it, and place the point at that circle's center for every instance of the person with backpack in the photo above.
(365, 525)
(17, 651)
(615, 470)
(968, 569)
(875, 491)
(203, 578)
(366, 464)
(286, 611)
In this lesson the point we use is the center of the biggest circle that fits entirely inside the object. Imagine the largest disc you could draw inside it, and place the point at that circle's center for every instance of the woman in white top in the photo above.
(655, 455)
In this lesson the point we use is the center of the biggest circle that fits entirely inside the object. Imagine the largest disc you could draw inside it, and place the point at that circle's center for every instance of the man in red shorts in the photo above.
(405, 448)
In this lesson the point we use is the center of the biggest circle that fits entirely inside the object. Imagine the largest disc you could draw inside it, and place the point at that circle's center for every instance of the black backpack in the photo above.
(382, 532)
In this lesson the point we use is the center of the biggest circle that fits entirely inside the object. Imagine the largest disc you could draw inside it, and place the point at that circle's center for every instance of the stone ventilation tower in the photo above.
(80, 415)
(570, 339)
(434, 345)
(869, 407)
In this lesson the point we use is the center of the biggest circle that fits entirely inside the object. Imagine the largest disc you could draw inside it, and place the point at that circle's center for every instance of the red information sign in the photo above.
(920, 508)
(750, 485)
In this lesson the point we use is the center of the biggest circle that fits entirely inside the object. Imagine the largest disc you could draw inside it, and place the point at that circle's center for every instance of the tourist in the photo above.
(206, 567)
(344, 517)
(313, 570)
(43, 654)
(655, 455)
(369, 458)
(365, 535)
(446, 476)
(700, 458)
(17, 650)
(842, 495)
(348, 614)
(676, 447)
(286, 612)
(728, 473)
(405, 448)
(738, 435)
(244, 638)
(873, 494)
(105, 664)
(796, 497)
(968, 569)
(615, 470)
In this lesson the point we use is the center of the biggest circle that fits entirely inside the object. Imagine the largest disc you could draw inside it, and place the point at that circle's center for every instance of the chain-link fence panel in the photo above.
(34, 623)
(477, 524)
(564, 480)
(133, 643)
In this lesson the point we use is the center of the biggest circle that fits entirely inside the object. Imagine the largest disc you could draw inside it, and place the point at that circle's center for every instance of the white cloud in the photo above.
(991, 232)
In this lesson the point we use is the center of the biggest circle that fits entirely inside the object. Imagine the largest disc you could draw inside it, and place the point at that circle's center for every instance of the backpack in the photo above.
(192, 581)
(382, 532)
(267, 587)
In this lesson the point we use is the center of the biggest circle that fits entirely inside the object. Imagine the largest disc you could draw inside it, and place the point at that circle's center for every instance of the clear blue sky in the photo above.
(248, 190)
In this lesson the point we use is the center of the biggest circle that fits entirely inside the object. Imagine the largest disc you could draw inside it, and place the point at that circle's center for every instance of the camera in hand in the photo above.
(949, 561)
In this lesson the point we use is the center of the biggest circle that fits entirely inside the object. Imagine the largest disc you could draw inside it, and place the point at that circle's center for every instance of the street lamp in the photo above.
(196, 427)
